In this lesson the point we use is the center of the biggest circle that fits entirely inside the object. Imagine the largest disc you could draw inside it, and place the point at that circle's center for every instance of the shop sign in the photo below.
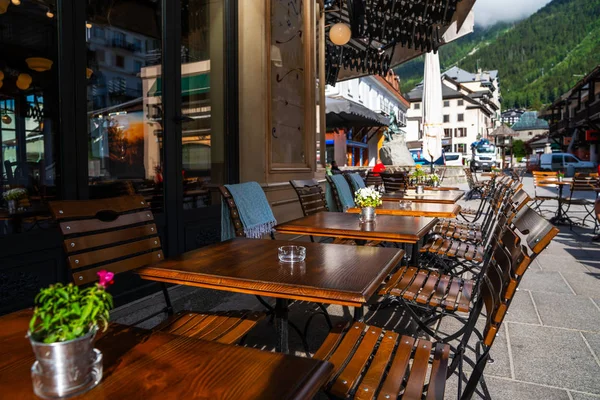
(592, 135)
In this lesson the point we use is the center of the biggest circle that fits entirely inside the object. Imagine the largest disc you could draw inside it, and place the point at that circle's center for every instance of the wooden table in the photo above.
(331, 274)
(432, 210)
(386, 228)
(141, 364)
(430, 196)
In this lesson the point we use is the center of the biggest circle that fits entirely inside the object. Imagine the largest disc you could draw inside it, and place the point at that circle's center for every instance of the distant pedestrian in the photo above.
(335, 170)
(378, 168)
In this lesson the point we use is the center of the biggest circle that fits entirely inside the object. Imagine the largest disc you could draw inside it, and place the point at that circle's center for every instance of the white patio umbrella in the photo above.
(432, 108)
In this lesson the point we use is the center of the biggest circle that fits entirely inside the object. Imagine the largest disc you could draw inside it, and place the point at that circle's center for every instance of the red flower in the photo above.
(105, 278)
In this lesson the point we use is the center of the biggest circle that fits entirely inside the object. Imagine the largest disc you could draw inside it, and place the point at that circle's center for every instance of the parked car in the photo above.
(417, 156)
(561, 161)
(454, 159)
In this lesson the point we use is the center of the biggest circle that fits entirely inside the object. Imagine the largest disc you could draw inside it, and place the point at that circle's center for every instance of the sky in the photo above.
(488, 12)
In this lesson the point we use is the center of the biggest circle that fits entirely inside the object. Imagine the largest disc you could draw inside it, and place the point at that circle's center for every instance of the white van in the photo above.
(561, 161)
(454, 159)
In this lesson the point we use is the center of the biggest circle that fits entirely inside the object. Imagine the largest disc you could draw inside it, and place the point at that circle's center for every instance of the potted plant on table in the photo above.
(561, 176)
(435, 180)
(62, 331)
(12, 198)
(418, 175)
(367, 199)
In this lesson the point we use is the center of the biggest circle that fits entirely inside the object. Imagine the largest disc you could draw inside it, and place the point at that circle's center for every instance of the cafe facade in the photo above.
(167, 100)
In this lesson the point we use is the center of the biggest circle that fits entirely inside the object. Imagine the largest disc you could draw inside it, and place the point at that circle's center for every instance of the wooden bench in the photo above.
(119, 235)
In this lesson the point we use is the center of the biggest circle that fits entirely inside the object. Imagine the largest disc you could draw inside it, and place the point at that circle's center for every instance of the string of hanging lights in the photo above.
(363, 34)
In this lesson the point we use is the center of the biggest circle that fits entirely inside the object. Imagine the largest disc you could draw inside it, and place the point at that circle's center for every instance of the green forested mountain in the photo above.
(538, 58)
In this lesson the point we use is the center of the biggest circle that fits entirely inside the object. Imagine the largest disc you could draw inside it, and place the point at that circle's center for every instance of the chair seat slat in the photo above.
(372, 379)
(439, 367)
(393, 381)
(349, 376)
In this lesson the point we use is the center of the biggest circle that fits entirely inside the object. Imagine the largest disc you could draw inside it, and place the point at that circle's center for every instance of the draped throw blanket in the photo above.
(343, 189)
(254, 209)
(357, 181)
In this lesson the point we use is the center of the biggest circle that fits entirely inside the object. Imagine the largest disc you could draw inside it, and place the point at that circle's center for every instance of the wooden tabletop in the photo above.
(345, 225)
(141, 364)
(430, 196)
(331, 273)
(433, 210)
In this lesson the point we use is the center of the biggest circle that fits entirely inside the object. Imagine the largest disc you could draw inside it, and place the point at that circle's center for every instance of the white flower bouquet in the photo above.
(367, 197)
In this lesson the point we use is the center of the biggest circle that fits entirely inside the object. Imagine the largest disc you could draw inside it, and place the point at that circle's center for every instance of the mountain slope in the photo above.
(538, 58)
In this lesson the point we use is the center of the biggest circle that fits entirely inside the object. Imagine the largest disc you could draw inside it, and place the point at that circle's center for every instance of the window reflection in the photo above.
(202, 58)
(124, 100)
(28, 114)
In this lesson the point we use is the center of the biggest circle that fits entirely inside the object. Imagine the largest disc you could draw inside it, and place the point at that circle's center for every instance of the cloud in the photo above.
(488, 12)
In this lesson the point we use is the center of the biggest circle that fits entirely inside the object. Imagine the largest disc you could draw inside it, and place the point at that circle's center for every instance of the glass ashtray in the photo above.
(404, 204)
(291, 253)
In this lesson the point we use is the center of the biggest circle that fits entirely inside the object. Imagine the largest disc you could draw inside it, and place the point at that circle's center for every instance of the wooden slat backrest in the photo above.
(469, 176)
(233, 212)
(394, 182)
(311, 196)
(115, 234)
(538, 231)
(351, 183)
(583, 184)
(539, 176)
(372, 180)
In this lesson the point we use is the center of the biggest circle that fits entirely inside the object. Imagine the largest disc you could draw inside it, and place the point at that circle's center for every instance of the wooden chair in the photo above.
(370, 362)
(543, 179)
(353, 186)
(475, 188)
(583, 183)
(119, 235)
(394, 181)
(311, 196)
(373, 180)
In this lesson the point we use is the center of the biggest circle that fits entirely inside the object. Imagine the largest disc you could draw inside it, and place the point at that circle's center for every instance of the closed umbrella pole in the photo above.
(432, 109)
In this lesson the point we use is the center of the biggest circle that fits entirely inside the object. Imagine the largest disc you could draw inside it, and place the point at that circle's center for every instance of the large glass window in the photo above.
(29, 127)
(125, 135)
(202, 101)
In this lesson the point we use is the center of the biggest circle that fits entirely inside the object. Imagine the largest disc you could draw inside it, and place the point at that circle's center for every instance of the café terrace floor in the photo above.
(548, 347)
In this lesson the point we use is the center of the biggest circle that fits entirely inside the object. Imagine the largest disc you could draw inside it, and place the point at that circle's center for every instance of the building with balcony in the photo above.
(471, 104)
(358, 143)
(574, 118)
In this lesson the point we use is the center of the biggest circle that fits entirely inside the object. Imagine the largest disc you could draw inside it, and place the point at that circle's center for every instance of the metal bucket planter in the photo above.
(65, 369)
(367, 214)
(419, 189)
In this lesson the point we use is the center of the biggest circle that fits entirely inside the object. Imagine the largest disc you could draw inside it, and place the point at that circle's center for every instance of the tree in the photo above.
(518, 149)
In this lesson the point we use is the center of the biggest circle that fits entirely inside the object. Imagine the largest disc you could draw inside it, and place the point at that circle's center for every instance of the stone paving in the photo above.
(548, 347)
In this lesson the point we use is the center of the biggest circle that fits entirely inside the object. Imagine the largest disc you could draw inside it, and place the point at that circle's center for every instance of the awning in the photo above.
(342, 113)
(190, 85)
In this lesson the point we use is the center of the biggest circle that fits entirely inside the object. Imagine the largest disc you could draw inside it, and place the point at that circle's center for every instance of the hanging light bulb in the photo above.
(24, 81)
(49, 13)
(88, 73)
(1, 84)
(6, 118)
(4, 6)
(16, 2)
(88, 25)
(340, 34)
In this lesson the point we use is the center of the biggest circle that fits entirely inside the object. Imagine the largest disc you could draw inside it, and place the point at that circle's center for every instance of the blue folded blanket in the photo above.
(357, 181)
(343, 189)
(254, 209)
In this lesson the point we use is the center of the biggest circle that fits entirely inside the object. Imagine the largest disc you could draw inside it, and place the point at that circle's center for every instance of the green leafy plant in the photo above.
(367, 197)
(434, 178)
(66, 312)
(560, 174)
(14, 194)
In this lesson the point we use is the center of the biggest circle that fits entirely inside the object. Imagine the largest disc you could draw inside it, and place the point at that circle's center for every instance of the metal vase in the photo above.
(65, 369)
(419, 189)
(12, 206)
(367, 214)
